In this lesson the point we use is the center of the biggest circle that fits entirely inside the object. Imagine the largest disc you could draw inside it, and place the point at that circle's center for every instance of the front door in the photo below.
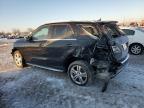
(34, 49)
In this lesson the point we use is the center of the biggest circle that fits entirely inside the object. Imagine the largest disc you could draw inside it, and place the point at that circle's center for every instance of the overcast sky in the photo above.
(23, 14)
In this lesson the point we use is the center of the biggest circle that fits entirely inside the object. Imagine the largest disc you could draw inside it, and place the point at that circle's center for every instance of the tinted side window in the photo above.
(87, 29)
(60, 31)
(129, 32)
(41, 34)
(91, 30)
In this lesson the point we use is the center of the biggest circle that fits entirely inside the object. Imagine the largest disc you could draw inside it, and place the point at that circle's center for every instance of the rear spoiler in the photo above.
(107, 22)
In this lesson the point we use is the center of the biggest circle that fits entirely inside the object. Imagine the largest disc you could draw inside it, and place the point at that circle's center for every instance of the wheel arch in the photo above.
(16, 49)
(13, 50)
(136, 43)
(71, 59)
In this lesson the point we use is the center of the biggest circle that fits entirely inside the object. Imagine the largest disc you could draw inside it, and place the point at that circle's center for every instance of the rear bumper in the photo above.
(105, 69)
(120, 66)
(125, 60)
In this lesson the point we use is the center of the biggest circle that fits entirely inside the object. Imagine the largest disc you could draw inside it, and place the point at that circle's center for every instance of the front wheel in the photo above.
(80, 73)
(18, 59)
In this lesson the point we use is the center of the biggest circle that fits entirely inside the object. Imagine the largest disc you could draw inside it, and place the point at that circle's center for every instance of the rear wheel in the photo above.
(80, 73)
(136, 49)
(18, 59)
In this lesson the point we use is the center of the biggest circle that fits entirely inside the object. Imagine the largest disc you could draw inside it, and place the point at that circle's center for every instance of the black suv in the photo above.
(82, 49)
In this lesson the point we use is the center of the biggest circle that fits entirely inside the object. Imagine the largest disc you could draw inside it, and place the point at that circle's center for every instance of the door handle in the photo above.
(69, 45)
(44, 44)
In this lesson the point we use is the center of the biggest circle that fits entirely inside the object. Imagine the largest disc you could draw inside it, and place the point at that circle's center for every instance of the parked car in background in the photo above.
(136, 39)
(1, 36)
(19, 37)
(82, 49)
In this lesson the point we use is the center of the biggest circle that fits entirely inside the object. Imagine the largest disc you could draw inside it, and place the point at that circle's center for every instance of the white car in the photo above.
(136, 39)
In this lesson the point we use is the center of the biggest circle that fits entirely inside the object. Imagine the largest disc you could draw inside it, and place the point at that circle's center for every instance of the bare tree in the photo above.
(142, 23)
(2, 33)
(134, 24)
(16, 32)
(29, 30)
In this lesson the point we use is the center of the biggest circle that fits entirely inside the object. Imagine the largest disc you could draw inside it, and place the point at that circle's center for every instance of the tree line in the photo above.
(16, 32)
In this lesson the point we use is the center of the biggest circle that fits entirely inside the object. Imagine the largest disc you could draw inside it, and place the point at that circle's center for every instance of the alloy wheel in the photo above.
(136, 49)
(78, 74)
(18, 58)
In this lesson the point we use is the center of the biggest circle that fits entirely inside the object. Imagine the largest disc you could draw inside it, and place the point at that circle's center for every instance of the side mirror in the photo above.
(28, 38)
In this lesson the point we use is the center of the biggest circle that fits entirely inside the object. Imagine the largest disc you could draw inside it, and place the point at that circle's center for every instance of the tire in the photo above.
(80, 73)
(18, 59)
(136, 49)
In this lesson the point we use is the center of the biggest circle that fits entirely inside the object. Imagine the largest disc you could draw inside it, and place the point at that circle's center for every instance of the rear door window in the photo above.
(61, 31)
(87, 29)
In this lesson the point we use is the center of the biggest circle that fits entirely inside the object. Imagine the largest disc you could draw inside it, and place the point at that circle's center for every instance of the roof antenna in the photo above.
(99, 19)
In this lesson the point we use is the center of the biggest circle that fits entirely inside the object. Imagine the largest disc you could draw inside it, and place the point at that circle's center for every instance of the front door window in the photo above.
(41, 34)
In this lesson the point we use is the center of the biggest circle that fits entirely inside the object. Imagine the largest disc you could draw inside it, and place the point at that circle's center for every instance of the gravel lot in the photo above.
(33, 87)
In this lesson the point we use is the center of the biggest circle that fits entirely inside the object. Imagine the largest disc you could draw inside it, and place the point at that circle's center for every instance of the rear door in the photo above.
(61, 44)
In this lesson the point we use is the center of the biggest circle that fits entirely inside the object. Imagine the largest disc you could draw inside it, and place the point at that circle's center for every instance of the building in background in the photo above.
(132, 23)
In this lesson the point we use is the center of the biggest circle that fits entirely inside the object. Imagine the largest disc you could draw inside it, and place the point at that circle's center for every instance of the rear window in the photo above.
(129, 32)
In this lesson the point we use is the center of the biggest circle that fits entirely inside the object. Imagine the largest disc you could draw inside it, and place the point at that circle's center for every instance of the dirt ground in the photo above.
(33, 87)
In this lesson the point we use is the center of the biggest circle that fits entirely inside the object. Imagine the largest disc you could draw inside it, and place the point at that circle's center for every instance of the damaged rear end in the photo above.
(110, 54)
